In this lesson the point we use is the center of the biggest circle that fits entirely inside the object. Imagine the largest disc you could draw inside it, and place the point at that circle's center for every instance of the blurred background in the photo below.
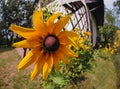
(106, 75)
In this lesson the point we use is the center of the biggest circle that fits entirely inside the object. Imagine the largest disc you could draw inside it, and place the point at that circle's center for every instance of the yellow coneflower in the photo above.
(48, 43)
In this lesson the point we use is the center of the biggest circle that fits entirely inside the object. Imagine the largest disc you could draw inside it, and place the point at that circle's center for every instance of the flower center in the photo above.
(51, 43)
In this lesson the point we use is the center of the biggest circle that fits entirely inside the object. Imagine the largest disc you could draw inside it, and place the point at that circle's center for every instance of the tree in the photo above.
(117, 11)
(109, 17)
(106, 32)
(14, 12)
(117, 5)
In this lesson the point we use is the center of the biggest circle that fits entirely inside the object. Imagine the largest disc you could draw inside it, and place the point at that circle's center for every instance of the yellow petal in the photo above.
(69, 34)
(66, 51)
(47, 67)
(38, 65)
(36, 71)
(56, 61)
(60, 24)
(61, 55)
(52, 18)
(64, 59)
(23, 44)
(35, 40)
(67, 40)
(24, 32)
(64, 40)
(26, 61)
(73, 43)
(38, 22)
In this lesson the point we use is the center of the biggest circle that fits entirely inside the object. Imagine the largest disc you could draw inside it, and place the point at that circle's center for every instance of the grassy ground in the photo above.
(117, 66)
(104, 75)
(10, 78)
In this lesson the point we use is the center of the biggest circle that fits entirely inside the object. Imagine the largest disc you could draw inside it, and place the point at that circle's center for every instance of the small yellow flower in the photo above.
(86, 47)
(110, 48)
(48, 43)
(106, 49)
(100, 46)
(81, 40)
(87, 33)
(109, 44)
(81, 45)
(76, 30)
(112, 51)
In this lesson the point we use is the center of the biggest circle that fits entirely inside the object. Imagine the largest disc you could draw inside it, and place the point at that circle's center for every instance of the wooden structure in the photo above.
(87, 15)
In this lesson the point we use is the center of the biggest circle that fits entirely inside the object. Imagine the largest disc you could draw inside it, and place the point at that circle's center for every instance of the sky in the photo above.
(109, 3)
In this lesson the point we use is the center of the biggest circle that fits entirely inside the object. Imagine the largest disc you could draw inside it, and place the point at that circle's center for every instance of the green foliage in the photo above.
(56, 80)
(50, 9)
(45, 2)
(109, 17)
(79, 65)
(117, 4)
(2, 40)
(47, 14)
(14, 12)
(101, 54)
(107, 31)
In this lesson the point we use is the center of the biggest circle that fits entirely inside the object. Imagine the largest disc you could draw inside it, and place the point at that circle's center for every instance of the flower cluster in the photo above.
(111, 48)
(83, 41)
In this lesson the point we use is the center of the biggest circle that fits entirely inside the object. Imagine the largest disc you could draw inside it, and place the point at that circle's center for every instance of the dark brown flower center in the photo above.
(51, 43)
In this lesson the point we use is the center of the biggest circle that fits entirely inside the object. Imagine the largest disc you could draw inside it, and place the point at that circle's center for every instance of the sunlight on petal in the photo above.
(67, 51)
(38, 65)
(60, 24)
(56, 61)
(62, 56)
(73, 43)
(22, 44)
(35, 41)
(69, 34)
(66, 40)
(38, 22)
(24, 32)
(47, 67)
(26, 61)
(51, 20)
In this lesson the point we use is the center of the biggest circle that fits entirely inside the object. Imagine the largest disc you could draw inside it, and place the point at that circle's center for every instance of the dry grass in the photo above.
(10, 78)
(102, 76)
